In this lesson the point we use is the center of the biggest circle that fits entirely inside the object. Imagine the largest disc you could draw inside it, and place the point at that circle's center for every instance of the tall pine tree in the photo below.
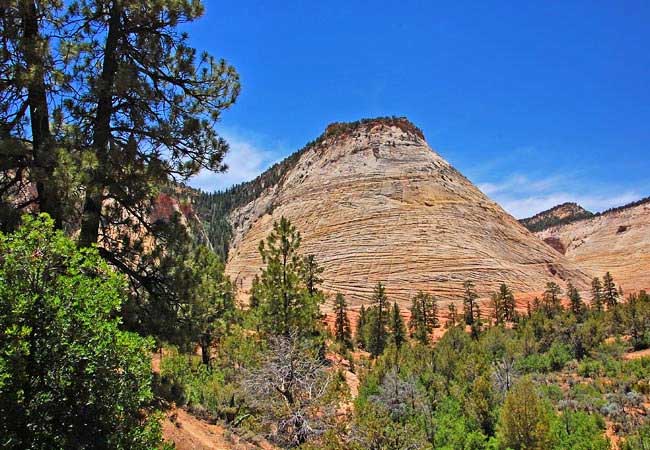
(424, 316)
(469, 302)
(610, 293)
(575, 301)
(286, 304)
(596, 294)
(396, 325)
(360, 336)
(342, 332)
(377, 329)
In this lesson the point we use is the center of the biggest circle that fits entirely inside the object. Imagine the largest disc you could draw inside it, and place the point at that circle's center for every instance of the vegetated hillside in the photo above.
(374, 203)
(616, 240)
(558, 215)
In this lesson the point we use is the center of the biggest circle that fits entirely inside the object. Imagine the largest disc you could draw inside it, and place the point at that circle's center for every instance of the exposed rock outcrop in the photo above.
(617, 241)
(375, 203)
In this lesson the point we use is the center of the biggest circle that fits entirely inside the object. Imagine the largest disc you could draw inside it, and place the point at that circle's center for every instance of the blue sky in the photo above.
(536, 102)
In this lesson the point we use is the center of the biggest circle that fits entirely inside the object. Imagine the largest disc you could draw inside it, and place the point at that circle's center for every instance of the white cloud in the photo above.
(523, 196)
(527, 206)
(246, 159)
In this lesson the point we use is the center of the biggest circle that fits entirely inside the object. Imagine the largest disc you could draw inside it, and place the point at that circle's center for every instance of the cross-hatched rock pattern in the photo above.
(616, 241)
(376, 203)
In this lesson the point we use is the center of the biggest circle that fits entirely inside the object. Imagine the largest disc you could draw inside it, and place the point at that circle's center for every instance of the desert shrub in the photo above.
(590, 368)
(587, 397)
(578, 431)
(186, 381)
(640, 439)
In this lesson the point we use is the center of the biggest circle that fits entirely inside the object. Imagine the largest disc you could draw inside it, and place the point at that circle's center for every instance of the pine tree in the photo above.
(361, 329)
(286, 305)
(469, 302)
(256, 295)
(342, 332)
(432, 316)
(311, 272)
(396, 326)
(424, 312)
(498, 310)
(552, 302)
(610, 293)
(596, 294)
(452, 316)
(377, 329)
(179, 98)
(507, 302)
(575, 300)
(477, 324)
(210, 300)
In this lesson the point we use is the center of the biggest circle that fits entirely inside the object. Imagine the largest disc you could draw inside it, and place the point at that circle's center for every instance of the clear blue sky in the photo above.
(536, 102)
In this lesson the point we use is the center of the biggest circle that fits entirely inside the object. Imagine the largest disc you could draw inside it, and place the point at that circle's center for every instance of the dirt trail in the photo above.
(637, 355)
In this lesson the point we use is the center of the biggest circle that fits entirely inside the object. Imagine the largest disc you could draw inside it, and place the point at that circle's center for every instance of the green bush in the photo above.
(590, 368)
(69, 377)
(186, 381)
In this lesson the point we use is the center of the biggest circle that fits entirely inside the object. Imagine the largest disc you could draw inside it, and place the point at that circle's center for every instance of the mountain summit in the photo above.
(375, 203)
(557, 215)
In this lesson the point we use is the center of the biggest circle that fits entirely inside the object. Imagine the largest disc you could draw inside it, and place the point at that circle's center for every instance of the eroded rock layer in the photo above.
(377, 204)
(616, 241)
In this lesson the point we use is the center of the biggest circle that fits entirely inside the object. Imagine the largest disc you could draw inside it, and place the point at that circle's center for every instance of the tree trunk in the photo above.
(205, 351)
(43, 149)
(102, 132)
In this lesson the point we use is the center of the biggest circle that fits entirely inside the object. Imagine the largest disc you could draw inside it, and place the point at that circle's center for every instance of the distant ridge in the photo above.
(616, 240)
(557, 215)
(570, 212)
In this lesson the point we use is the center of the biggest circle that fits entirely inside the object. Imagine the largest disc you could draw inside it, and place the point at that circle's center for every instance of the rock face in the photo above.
(558, 215)
(617, 241)
(375, 203)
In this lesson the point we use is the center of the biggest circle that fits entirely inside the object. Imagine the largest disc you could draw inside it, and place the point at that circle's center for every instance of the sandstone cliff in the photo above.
(617, 241)
(375, 203)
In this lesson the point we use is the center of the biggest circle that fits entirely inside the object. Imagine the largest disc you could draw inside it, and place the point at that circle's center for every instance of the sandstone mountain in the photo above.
(375, 203)
(617, 241)
(558, 215)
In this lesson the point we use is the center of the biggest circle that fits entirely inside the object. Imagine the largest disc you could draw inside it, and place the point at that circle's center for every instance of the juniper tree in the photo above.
(342, 332)
(396, 326)
(610, 293)
(596, 294)
(377, 329)
(469, 302)
(286, 304)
